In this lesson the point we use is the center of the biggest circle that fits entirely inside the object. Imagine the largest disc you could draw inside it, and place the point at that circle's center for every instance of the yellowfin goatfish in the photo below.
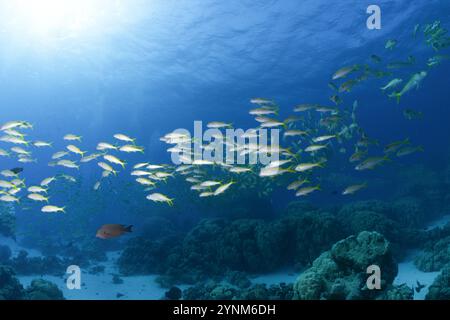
(158, 197)
(354, 188)
(123, 137)
(52, 209)
(72, 137)
(306, 191)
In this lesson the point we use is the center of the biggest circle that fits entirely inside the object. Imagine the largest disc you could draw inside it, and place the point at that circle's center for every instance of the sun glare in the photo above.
(62, 18)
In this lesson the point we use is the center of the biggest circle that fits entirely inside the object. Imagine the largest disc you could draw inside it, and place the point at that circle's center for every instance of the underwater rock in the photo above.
(435, 255)
(97, 269)
(25, 265)
(5, 254)
(382, 217)
(308, 234)
(223, 292)
(10, 287)
(440, 289)
(116, 279)
(217, 246)
(43, 290)
(401, 292)
(211, 290)
(146, 256)
(341, 272)
(280, 291)
(174, 293)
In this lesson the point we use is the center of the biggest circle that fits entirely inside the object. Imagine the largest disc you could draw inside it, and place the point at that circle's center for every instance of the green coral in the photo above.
(440, 289)
(341, 272)
(435, 256)
(43, 290)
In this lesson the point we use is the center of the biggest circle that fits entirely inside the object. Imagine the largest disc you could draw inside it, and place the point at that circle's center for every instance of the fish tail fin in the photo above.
(291, 169)
(421, 149)
(129, 228)
(170, 202)
(318, 187)
(63, 209)
(321, 164)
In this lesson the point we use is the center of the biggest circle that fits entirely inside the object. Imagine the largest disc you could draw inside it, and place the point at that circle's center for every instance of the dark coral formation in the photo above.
(43, 290)
(341, 273)
(216, 246)
(10, 287)
(174, 293)
(25, 265)
(436, 255)
(440, 289)
(221, 291)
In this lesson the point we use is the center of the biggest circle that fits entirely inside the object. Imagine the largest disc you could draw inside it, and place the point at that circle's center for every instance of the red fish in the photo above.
(109, 231)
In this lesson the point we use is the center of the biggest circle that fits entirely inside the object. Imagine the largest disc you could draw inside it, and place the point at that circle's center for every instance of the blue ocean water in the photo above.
(146, 68)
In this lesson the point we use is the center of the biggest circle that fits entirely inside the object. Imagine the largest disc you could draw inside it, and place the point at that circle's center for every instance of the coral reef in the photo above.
(216, 246)
(174, 293)
(401, 292)
(435, 255)
(144, 256)
(221, 291)
(238, 279)
(43, 290)
(10, 287)
(440, 289)
(341, 272)
(25, 265)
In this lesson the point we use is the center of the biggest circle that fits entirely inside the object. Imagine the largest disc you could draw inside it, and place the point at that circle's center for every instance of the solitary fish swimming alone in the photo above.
(109, 231)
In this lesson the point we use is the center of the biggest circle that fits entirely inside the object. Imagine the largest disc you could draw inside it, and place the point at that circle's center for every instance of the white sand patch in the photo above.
(286, 276)
(101, 287)
(409, 274)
